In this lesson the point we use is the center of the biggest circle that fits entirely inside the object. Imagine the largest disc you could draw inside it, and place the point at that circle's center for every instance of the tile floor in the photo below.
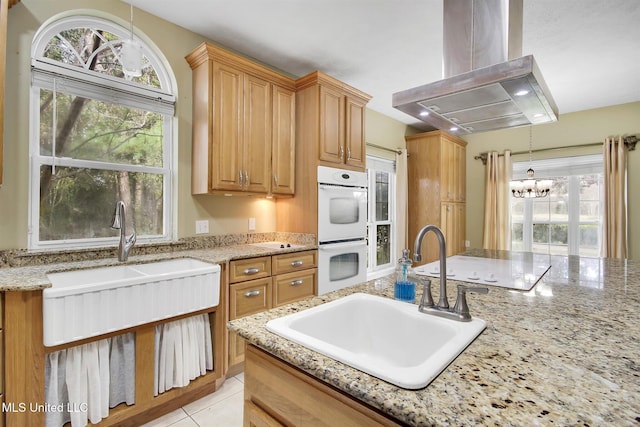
(220, 409)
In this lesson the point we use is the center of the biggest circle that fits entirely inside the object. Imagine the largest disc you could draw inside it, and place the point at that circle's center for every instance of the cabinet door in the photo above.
(461, 227)
(460, 173)
(331, 125)
(453, 226)
(448, 170)
(254, 416)
(226, 150)
(354, 134)
(256, 156)
(283, 157)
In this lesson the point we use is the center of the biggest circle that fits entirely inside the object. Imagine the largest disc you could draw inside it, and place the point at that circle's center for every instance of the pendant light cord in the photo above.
(131, 17)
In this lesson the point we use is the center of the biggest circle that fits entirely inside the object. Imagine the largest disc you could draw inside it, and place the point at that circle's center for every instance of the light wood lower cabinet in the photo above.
(258, 284)
(23, 364)
(278, 394)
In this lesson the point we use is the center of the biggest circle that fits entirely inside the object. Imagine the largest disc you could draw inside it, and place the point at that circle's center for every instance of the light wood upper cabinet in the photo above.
(333, 113)
(437, 190)
(228, 84)
(257, 135)
(283, 158)
(243, 125)
(356, 153)
(331, 125)
(4, 13)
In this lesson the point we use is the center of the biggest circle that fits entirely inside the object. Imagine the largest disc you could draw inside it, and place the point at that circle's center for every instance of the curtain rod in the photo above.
(397, 150)
(629, 141)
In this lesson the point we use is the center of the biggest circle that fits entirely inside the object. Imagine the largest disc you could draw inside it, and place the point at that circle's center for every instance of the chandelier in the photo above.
(530, 187)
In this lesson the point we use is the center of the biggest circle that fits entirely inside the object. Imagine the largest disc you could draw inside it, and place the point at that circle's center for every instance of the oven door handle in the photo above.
(334, 246)
(340, 188)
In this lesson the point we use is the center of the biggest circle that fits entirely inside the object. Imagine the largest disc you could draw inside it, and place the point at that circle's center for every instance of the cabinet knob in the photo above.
(296, 282)
(296, 263)
(252, 293)
(252, 270)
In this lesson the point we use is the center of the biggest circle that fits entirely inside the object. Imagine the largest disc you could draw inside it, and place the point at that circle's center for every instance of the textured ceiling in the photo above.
(588, 50)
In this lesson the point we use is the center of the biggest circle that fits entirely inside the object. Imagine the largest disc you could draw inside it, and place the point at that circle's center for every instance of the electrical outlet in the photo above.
(252, 224)
(202, 227)
(467, 243)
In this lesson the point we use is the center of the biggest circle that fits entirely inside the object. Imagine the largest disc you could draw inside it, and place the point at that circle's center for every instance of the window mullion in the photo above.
(574, 215)
(527, 226)
(92, 164)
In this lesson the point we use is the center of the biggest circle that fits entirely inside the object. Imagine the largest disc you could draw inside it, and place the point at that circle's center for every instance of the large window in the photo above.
(569, 220)
(97, 136)
(381, 208)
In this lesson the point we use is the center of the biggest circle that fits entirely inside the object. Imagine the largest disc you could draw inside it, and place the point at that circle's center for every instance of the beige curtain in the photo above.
(497, 225)
(401, 202)
(614, 235)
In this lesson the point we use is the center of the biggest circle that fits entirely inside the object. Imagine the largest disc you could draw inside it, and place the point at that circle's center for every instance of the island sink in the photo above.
(388, 339)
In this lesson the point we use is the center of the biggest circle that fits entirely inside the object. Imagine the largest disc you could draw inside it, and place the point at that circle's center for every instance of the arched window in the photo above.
(97, 136)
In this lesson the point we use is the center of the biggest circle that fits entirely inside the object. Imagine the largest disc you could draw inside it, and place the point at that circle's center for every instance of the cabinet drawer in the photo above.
(294, 286)
(294, 261)
(249, 297)
(248, 269)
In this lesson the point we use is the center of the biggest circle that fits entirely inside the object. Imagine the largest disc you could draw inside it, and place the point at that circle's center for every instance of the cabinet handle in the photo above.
(341, 152)
(252, 270)
(275, 179)
(246, 178)
(348, 153)
(296, 282)
(296, 263)
(240, 173)
(253, 293)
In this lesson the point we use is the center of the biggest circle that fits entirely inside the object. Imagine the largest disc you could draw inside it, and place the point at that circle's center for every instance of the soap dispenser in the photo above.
(404, 288)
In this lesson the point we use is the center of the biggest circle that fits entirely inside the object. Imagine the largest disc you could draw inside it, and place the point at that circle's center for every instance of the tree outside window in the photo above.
(569, 220)
(99, 137)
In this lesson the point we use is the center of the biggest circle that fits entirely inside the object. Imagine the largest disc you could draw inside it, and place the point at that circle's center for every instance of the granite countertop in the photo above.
(33, 276)
(564, 353)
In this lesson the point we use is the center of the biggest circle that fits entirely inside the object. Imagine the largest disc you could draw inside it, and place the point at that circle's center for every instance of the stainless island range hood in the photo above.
(487, 84)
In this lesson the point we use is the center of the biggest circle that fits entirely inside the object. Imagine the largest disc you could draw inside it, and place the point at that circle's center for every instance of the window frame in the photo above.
(571, 168)
(379, 164)
(100, 87)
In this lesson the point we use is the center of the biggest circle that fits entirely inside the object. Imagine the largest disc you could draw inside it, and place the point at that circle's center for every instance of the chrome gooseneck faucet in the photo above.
(443, 302)
(460, 311)
(119, 223)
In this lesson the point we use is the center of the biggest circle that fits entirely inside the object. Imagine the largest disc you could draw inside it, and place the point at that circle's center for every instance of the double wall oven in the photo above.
(342, 228)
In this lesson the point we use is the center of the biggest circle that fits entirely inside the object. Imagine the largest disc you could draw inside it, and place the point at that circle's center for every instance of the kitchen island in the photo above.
(564, 353)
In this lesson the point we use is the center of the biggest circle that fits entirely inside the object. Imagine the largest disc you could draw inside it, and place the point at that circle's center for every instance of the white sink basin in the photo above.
(86, 303)
(388, 339)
